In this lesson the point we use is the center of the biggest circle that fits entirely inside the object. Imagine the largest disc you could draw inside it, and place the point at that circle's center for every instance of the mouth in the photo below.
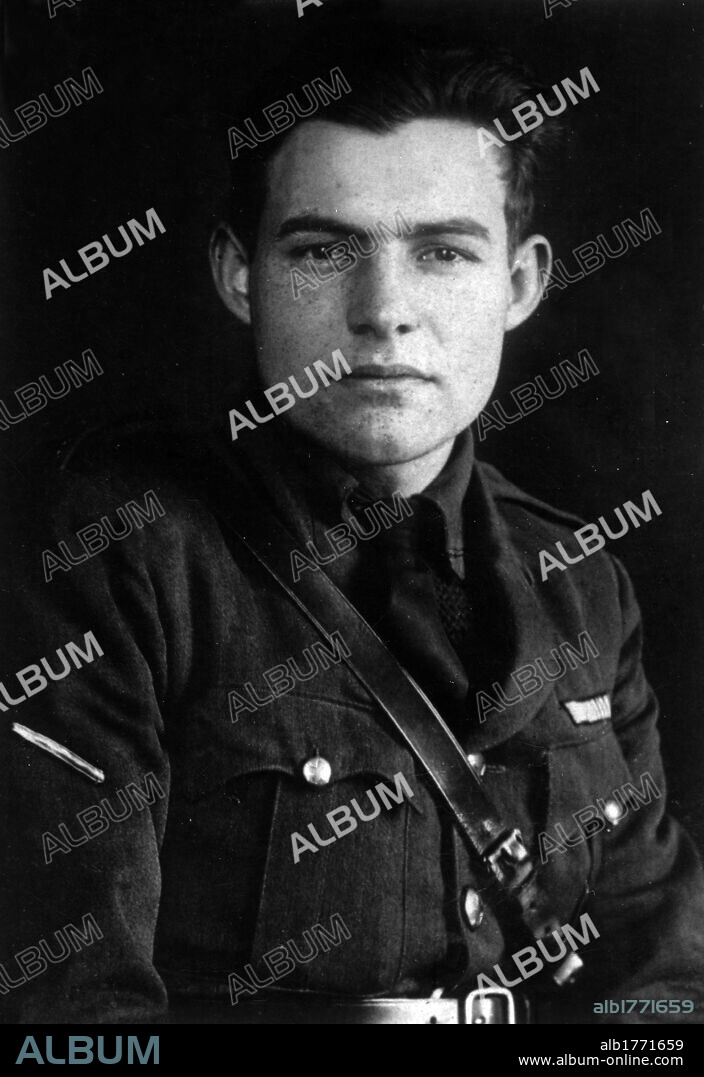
(388, 372)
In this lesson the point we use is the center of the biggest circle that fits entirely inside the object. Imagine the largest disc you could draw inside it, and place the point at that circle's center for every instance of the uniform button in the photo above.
(476, 761)
(317, 771)
(473, 908)
(612, 811)
(567, 971)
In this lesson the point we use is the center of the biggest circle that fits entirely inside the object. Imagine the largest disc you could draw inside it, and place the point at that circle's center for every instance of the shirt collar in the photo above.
(446, 494)
(439, 509)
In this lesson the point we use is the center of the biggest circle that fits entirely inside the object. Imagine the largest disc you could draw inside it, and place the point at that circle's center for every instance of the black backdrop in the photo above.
(157, 136)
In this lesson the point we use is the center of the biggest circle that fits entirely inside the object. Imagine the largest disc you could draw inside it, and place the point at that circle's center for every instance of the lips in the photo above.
(388, 371)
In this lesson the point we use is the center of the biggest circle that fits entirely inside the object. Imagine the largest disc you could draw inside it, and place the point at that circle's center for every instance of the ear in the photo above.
(229, 264)
(531, 259)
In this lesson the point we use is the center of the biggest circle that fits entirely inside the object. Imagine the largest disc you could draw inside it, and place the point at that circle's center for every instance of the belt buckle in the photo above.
(510, 861)
(482, 1005)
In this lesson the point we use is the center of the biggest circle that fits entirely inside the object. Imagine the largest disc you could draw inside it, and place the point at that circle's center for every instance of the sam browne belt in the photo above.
(498, 846)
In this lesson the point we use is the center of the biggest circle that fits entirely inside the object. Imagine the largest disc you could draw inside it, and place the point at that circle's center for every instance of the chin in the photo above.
(367, 450)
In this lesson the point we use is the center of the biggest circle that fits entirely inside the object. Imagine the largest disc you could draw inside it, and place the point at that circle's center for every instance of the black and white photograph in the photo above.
(351, 456)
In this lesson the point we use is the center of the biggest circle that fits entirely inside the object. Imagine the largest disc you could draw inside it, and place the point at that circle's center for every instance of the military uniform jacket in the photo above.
(182, 857)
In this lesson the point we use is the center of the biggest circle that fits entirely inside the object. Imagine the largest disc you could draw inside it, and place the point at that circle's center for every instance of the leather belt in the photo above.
(485, 1006)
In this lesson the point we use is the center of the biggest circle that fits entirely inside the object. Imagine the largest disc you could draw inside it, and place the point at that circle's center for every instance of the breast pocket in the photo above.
(312, 807)
(584, 772)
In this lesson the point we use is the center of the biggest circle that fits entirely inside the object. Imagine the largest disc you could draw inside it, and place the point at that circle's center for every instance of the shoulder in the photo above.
(522, 508)
(534, 528)
(584, 585)
(133, 474)
(533, 524)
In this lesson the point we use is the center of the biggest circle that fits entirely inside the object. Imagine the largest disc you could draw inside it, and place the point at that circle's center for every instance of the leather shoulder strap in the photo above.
(406, 706)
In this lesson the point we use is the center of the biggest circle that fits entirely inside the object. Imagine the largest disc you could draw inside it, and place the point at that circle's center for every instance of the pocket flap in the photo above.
(284, 738)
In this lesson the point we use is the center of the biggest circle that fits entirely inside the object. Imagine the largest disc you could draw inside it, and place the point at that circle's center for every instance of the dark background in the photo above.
(157, 137)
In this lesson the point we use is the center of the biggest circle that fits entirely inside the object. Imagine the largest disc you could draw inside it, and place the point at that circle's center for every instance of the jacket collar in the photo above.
(529, 631)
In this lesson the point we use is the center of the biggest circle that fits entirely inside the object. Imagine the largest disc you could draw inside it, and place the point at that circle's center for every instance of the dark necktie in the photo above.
(412, 624)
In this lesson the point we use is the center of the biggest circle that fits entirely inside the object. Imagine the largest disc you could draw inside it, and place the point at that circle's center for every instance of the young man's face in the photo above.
(421, 322)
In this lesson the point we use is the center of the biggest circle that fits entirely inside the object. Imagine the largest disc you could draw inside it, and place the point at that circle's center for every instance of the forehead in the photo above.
(429, 169)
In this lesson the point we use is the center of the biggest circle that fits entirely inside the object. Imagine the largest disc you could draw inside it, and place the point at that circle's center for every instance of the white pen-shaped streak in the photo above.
(58, 750)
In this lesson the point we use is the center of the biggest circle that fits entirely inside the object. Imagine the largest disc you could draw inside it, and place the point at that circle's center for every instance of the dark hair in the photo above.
(392, 80)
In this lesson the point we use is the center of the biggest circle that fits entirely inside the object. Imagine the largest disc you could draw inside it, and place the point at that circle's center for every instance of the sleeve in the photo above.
(648, 903)
(83, 668)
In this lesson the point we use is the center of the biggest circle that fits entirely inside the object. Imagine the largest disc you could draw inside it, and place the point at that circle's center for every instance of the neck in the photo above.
(409, 477)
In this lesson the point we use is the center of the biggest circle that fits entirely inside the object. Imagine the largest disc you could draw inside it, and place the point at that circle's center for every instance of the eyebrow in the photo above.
(311, 222)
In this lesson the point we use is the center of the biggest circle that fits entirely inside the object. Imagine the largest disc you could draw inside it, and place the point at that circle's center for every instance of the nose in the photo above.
(379, 303)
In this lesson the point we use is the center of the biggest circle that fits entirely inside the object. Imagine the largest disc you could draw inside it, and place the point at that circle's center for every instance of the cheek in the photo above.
(277, 335)
(473, 306)
(279, 319)
(471, 335)
(271, 300)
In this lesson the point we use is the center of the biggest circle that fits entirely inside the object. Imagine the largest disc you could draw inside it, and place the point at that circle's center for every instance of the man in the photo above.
(231, 741)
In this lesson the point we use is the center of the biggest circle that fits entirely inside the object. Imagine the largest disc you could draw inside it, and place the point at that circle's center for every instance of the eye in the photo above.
(447, 255)
(317, 251)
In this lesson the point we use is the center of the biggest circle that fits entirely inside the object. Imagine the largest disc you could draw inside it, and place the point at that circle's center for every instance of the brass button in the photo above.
(473, 908)
(476, 762)
(567, 971)
(317, 771)
(612, 811)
